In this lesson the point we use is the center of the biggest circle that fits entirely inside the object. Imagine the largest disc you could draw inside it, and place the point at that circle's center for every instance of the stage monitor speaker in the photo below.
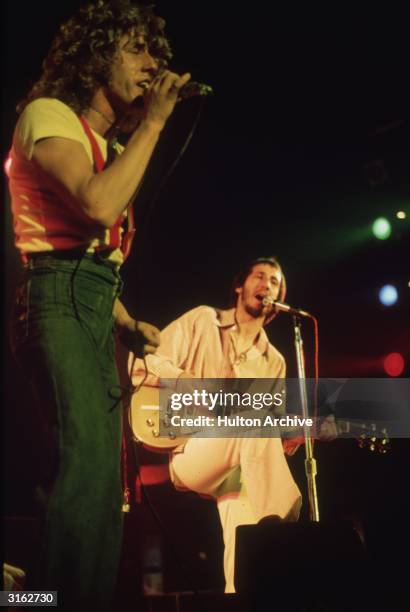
(303, 566)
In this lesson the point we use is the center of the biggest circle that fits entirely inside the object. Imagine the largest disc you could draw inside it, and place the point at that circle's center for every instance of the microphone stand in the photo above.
(310, 461)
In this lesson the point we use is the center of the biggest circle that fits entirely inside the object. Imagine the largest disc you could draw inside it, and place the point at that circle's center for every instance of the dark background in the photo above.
(279, 164)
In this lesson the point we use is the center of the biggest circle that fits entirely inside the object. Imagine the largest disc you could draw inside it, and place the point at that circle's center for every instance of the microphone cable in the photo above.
(125, 393)
(148, 210)
(125, 397)
(151, 206)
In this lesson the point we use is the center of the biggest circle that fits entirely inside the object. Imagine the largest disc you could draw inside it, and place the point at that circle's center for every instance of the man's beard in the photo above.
(255, 312)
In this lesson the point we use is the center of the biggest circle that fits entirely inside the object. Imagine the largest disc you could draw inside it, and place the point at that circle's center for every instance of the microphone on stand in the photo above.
(192, 88)
(285, 307)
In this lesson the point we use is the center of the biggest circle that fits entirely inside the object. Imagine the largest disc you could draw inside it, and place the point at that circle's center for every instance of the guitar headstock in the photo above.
(375, 445)
(368, 435)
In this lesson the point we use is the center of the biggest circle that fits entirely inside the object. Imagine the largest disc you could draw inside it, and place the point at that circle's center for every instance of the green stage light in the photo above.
(381, 228)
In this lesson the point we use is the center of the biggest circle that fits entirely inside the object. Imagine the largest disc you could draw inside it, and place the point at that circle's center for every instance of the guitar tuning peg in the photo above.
(375, 444)
(384, 446)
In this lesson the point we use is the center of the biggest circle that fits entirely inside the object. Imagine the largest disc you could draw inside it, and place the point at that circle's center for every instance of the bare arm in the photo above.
(171, 361)
(139, 337)
(105, 195)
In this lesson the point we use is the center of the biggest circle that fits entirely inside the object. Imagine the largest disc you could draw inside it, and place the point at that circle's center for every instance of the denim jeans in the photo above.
(62, 339)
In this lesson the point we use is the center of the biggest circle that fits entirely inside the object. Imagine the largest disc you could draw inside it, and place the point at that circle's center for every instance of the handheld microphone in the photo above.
(285, 307)
(192, 88)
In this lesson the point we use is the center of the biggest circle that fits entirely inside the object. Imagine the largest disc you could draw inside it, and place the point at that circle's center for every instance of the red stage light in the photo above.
(393, 364)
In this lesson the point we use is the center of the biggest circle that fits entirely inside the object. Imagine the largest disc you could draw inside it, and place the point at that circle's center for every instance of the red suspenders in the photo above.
(115, 231)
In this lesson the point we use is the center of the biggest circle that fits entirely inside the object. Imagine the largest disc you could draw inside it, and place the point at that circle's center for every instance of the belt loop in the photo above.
(119, 284)
(97, 258)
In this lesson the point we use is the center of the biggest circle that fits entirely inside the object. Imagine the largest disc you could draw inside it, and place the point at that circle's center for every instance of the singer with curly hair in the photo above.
(71, 188)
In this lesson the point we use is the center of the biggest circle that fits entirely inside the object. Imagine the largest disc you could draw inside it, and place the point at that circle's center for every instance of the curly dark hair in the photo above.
(82, 52)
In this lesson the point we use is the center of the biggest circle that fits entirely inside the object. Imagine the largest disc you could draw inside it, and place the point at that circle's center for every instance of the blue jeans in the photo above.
(62, 338)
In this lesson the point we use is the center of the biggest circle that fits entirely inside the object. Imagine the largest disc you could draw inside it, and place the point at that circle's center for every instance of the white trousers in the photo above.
(249, 477)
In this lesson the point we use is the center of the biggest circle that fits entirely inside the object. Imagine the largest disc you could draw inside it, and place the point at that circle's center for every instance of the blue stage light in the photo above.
(388, 295)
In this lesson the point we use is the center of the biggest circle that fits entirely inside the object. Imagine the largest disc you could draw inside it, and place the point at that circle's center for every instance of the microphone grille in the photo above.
(193, 88)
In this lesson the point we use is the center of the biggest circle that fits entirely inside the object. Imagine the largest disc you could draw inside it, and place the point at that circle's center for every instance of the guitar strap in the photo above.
(224, 335)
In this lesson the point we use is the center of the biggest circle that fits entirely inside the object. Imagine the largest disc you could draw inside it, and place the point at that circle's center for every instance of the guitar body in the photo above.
(144, 418)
